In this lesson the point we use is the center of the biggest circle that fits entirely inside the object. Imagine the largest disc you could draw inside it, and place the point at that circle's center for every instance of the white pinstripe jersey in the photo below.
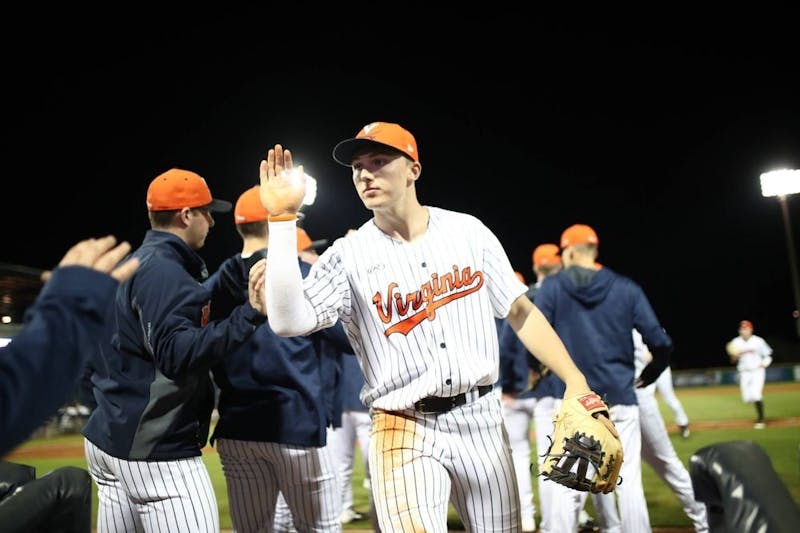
(420, 315)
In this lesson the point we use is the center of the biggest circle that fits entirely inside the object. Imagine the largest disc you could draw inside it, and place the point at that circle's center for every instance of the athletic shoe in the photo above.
(685, 431)
(528, 524)
(348, 515)
(759, 425)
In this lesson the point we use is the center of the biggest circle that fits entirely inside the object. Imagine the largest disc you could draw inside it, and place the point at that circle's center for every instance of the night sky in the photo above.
(654, 133)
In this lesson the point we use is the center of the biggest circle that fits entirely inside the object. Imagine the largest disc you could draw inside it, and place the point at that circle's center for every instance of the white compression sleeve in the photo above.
(288, 312)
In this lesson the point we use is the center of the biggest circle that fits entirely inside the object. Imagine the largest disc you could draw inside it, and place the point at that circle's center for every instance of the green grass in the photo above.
(703, 405)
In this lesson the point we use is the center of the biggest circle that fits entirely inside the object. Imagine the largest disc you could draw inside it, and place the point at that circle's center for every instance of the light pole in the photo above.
(782, 183)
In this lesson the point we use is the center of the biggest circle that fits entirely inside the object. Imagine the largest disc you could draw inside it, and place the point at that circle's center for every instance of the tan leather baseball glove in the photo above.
(585, 453)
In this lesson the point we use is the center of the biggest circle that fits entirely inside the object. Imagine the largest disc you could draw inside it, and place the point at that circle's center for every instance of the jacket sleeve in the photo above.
(513, 359)
(40, 368)
(174, 313)
(225, 286)
(653, 335)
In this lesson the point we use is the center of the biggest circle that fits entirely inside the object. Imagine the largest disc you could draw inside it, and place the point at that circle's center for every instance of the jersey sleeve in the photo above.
(504, 286)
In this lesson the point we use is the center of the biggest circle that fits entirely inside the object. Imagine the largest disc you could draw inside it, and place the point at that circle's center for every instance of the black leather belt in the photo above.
(442, 404)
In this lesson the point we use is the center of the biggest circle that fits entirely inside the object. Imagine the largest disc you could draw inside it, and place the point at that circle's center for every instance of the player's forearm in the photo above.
(288, 312)
(541, 340)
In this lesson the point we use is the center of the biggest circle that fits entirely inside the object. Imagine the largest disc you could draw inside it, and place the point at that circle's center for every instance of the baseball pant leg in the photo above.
(342, 442)
(174, 495)
(115, 509)
(631, 502)
(667, 392)
(410, 486)
(478, 455)
(543, 429)
(518, 416)
(309, 482)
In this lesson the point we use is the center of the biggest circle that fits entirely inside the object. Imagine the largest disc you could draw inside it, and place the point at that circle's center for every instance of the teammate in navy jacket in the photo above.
(273, 417)
(152, 377)
(40, 367)
(593, 309)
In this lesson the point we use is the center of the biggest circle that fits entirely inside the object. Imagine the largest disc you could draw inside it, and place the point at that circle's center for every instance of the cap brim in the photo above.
(219, 206)
(343, 152)
(319, 244)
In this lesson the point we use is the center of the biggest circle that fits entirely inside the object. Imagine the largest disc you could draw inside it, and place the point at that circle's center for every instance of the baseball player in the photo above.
(657, 449)
(594, 310)
(417, 289)
(272, 428)
(666, 389)
(520, 408)
(151, 377)
(752, 355)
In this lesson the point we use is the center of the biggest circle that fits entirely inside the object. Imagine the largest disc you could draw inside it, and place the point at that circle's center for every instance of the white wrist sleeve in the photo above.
(288, 311)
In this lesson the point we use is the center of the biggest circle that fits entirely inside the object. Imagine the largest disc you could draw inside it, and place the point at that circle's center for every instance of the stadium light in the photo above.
(782, 183)
(311, 190)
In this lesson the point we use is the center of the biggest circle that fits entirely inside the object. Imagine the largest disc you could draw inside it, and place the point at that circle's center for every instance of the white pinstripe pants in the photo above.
(152, 496)
(255, 472)
(355, 430)
(518, 415)
(420, 462)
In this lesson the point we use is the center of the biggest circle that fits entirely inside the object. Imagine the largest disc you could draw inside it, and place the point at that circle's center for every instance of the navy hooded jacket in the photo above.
(594, 312)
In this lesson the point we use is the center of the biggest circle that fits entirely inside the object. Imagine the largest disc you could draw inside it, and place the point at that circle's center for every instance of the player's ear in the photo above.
(414, 169)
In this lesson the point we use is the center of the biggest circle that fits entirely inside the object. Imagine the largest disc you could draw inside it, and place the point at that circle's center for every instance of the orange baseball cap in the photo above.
(248, 207)
(545, 254)
(746, 324)
(304, 242)
(177, 188)
(382, 133)
(578, 234)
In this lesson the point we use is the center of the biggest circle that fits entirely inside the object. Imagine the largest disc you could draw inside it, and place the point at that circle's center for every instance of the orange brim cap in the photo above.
(377, 133)
(249, 208)
(304, 242)
(177, 188)
(545, 254)
(578, 234)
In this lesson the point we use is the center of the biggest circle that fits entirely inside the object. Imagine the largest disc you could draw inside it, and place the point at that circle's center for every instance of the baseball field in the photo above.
(716, 415)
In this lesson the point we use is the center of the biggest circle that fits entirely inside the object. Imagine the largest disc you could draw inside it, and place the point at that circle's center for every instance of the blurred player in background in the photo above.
(752, 355)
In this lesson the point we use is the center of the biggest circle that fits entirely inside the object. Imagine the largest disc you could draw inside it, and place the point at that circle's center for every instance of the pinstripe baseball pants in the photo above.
(419, 462)
(152, 496)
(255, 472)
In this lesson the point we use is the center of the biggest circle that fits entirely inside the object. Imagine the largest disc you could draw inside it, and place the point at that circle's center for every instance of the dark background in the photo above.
(652, 129)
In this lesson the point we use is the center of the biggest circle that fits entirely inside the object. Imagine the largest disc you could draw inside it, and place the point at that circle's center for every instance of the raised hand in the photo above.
(256, 293)
(282, 186)
(103, 255)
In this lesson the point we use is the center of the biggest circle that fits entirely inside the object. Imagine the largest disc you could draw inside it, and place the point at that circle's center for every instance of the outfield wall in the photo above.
(728, 376)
